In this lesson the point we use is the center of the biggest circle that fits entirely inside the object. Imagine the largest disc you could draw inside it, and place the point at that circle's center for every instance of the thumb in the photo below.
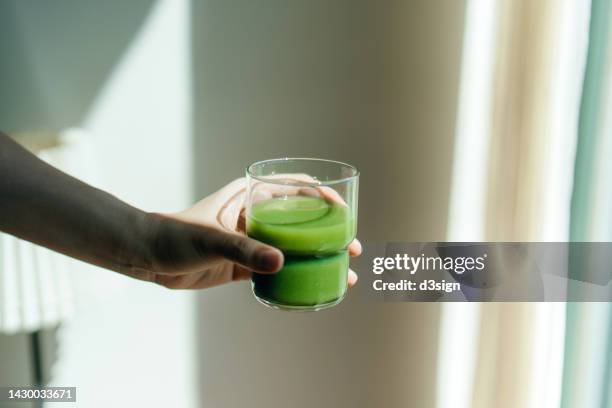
(246, 251)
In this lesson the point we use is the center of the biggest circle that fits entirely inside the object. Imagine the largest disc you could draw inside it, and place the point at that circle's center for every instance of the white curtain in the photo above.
(521, 81)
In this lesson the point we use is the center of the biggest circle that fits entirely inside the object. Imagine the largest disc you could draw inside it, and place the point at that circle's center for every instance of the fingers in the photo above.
(245, 251)
(331, 195)
(352, 278)
(241, 273)
(355, 248)
(230, 191)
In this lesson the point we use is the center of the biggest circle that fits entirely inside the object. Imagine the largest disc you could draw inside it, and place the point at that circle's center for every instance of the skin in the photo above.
(200, 247)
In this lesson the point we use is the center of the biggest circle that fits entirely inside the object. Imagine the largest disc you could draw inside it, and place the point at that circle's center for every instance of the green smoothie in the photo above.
(313, 234)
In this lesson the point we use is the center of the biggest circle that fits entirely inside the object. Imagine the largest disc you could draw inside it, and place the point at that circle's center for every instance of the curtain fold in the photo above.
(519, 122)
(529, 187)
(588, 352)
(460, 322)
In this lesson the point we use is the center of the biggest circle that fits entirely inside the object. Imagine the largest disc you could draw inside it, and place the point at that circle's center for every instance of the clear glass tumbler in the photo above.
(308, 209)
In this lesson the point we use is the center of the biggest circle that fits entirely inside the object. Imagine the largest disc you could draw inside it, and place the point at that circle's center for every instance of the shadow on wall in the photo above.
(60, 51)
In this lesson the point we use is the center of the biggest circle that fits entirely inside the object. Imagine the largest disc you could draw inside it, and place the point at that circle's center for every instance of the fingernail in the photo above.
(268, 260)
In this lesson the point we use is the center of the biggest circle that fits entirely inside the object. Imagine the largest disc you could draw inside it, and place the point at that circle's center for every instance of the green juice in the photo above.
(313, 234)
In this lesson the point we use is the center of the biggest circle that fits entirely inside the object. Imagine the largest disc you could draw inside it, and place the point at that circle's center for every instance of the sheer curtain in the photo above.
(587, 378)
(521, 84)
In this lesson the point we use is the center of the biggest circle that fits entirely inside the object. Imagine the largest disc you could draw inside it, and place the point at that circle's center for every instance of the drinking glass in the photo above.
(308, 209)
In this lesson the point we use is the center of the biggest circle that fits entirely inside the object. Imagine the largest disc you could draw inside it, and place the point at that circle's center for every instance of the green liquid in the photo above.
(313, 234)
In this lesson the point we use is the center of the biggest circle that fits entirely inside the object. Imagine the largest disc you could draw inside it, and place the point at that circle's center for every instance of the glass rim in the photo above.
(318, 183)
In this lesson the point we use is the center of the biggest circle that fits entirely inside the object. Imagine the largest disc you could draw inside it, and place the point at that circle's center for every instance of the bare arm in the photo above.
(43, 205)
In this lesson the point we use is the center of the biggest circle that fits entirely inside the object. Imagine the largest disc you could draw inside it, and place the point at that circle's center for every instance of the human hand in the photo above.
(206, 245)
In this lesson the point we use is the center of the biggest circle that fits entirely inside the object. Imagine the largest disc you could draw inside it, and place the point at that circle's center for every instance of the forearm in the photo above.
(41, 204)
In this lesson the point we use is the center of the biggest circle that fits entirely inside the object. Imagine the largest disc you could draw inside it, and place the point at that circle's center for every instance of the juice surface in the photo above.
(301, 225)
(313, 234)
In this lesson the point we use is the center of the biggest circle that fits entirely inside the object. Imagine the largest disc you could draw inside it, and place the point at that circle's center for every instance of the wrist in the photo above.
(167, 241)
(141, 252)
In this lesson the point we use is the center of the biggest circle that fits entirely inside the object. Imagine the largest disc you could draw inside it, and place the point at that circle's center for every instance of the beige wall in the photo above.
(368, 82)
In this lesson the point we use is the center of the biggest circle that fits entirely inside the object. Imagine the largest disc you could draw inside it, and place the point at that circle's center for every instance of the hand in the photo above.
(206, 245)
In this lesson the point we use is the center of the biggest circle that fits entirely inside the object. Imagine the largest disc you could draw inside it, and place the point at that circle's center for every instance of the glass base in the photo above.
(291, 308)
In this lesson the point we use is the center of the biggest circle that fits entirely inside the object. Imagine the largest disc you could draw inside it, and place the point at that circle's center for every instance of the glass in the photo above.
(308, 209)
